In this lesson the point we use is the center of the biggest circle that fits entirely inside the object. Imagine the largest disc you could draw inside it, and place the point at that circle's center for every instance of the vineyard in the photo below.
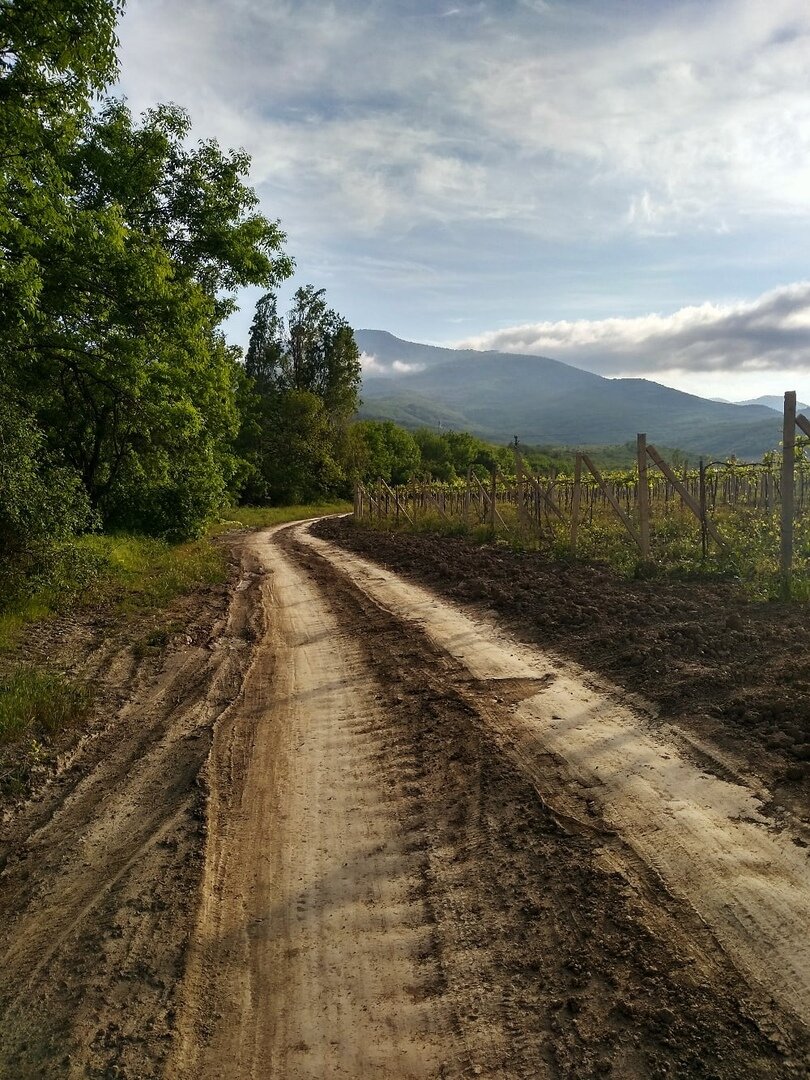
(748, 520)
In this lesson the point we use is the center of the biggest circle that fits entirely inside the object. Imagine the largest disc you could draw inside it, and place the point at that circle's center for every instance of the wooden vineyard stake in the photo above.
(521, 489)
(643, 497)
(371, 504)
(803, 423)
(575, 496)
(704, 517)
(788, 467)
(467, 495)
(544, 494)
(432, 495)
(397, 503)
(489, 496)
(611, 498)
(689, 500)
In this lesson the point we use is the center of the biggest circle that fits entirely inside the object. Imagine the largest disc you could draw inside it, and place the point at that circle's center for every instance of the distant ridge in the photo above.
(772, 401)
(546, 402)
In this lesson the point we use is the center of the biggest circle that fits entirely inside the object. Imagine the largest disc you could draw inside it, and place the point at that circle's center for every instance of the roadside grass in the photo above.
(261, 517)
(38, 704)
(120, 571)
(137, 573)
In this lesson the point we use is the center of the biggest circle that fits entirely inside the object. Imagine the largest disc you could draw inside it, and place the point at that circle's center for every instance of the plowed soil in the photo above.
(732, 673)
(336, 830)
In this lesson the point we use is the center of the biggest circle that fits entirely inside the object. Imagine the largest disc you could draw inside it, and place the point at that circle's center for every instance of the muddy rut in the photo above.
(356, 833)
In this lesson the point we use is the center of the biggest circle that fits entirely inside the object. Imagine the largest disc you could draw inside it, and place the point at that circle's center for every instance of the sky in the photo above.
(623, 185)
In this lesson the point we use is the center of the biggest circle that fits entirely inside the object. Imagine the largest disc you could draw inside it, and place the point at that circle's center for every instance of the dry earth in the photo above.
(343, 828)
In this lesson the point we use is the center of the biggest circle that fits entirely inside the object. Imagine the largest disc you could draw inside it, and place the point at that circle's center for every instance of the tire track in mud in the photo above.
(312, 939)
(562, 953)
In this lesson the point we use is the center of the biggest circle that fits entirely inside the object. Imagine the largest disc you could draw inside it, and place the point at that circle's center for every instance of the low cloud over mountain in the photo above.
(769, 333)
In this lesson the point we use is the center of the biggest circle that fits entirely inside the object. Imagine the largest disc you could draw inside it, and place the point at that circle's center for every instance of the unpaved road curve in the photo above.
(400, 883)
(309, 933)
(338, 829)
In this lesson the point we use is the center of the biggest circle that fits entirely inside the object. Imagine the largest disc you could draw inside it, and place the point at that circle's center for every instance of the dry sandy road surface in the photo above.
(429, 851)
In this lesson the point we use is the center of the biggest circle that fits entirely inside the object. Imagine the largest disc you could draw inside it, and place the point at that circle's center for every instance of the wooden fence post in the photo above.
(788, 465)
(704, 532)
(399, 506)
(575, 496)
(521, 489)
(643, 497)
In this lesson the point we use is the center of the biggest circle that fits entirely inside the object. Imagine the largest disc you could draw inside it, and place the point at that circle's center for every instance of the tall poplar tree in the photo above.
(304, 379)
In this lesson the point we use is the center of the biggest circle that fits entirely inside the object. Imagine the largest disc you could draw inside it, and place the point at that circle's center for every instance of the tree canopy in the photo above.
(121, 246)
(303, 372)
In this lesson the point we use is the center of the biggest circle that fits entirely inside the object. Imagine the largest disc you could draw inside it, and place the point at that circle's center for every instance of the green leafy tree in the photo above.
(294, 361)
(447, 455)
(54, 57)
(126, 366)
(41, 503)
(311, 349)
(378, 448)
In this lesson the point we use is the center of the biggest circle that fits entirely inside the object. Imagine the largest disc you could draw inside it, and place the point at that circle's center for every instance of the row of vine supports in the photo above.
(539, 504)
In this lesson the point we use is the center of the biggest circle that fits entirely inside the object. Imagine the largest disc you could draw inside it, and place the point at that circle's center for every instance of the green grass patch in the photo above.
(137, 573)
(130, 573)
(260, 517)
(37, 704)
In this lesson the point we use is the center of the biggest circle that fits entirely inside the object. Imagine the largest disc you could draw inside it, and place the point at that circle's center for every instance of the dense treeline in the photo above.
(121, 249)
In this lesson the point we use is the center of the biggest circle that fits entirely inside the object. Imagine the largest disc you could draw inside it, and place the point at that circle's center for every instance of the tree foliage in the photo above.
(121, 245)
(311, 349)
(303, 377)
(131, 377)
(378, 449)
(447, 455)
(42, 503)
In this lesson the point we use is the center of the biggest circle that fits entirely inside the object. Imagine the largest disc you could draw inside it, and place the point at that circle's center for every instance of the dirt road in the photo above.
(429, 851)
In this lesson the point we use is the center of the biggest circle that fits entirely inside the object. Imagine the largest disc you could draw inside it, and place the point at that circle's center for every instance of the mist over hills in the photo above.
(772, 401)
(546, 402)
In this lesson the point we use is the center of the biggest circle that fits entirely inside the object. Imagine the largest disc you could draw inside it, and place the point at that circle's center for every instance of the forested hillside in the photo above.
(497, 395)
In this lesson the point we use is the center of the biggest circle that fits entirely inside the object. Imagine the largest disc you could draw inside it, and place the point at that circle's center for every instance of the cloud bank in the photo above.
(372, 365)
(771, 333)
(559, 118)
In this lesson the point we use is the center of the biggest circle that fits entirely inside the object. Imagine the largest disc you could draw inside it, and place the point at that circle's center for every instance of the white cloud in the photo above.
(557, 118)
(771, 333)
(371, 365)
(401, 368)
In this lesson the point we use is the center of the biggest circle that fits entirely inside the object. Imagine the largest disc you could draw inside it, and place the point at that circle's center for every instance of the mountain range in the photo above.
(546, 402)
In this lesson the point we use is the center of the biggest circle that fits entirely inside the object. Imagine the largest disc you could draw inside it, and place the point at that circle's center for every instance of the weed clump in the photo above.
(38, 704)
